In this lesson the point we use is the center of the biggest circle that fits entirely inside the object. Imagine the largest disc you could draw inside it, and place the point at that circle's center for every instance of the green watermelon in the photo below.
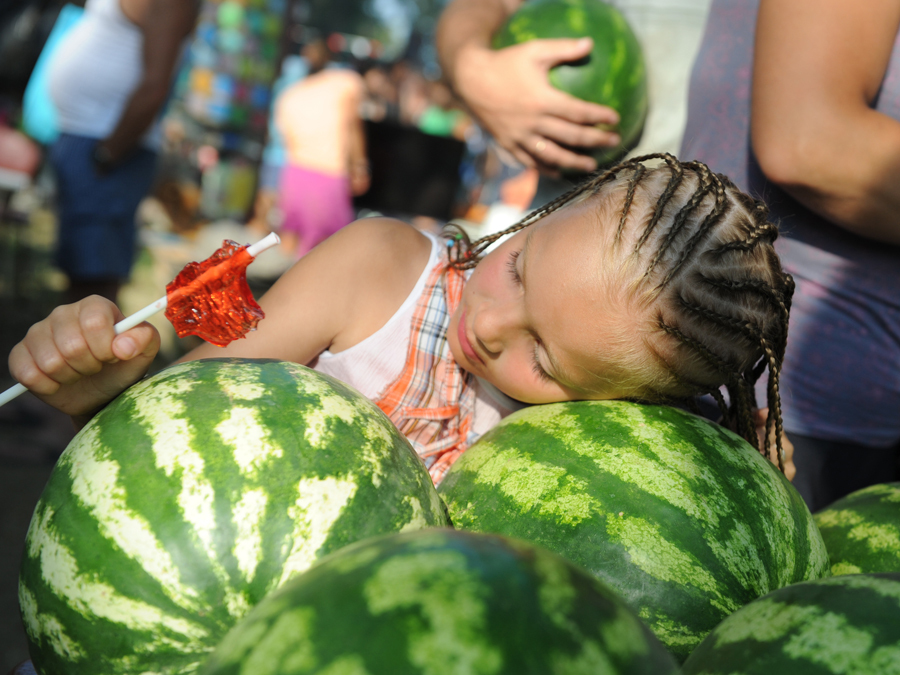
(862, 530)
(192, 496)
(846, 624)
(679, 515)
(438, 602)
(614, 75)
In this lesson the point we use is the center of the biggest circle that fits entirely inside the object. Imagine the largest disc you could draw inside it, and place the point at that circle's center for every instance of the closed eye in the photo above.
(538, 369)
(511, 266)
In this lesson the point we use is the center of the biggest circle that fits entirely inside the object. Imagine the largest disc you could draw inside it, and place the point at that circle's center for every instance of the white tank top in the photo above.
(375, 363)
(94, 71)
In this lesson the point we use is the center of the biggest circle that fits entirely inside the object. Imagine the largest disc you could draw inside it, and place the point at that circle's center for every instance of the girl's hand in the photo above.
(760, 420)
(74, 361)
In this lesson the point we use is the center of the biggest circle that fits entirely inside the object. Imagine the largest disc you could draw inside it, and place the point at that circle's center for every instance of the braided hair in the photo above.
(706, 269)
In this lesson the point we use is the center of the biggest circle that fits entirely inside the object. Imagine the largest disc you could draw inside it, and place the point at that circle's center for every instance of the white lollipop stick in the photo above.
(142, 315)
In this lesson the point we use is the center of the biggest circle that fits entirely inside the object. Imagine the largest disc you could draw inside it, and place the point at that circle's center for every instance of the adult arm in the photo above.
(165, 26)
(508, 90)
(818, 67)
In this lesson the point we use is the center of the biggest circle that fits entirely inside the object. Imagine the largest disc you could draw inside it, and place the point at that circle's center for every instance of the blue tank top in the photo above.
(841, 378)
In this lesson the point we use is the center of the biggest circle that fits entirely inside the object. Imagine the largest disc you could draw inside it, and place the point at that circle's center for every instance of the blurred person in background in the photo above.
(110, 79)
(412, 91)
(319, 119)
(380, 104)
(798, 101)
(443, 115)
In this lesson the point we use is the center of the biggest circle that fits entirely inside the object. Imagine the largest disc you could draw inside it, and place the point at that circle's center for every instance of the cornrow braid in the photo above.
(629, 197)
(717, 273)
(720, 210)
(700, 259)
(673, 184)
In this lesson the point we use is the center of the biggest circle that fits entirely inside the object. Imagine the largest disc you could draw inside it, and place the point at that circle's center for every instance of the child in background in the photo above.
(653, 281)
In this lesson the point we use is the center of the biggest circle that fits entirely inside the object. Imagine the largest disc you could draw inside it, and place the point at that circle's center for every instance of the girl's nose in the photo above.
(495, 326)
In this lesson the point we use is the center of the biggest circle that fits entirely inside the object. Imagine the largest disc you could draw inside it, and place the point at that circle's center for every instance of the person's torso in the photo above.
(842, 370)
(315, 117)
(95, 70)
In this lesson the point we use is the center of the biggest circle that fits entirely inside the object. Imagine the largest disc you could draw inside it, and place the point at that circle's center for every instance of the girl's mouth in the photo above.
(464, 343)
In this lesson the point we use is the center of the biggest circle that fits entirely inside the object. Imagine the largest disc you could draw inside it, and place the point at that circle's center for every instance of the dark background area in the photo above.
(32, 434)
(427, 180)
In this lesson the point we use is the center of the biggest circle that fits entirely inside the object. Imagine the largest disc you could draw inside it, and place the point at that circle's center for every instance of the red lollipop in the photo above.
(212, 299)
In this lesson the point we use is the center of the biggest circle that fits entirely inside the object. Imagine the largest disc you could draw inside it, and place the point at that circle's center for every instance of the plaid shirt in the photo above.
(432, 402)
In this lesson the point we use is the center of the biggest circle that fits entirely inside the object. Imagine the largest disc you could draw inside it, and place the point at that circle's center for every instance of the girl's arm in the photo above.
(337, 295)
(818, 67)
(341, 292)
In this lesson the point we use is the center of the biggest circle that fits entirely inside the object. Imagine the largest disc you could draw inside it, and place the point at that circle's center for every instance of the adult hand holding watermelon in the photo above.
(509, 90)
(193, 495)
(611, 74)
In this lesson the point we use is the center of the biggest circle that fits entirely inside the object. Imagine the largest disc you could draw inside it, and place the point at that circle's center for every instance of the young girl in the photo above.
(653, 281)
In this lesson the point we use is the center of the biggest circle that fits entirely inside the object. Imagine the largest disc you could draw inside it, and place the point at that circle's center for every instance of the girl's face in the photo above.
(537, 319)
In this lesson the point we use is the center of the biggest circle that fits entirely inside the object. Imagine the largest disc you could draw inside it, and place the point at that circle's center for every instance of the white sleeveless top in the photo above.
(94, 71)
(375, 363)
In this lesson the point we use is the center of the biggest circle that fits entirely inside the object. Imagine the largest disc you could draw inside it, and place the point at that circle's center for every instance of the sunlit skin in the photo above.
(537, 319)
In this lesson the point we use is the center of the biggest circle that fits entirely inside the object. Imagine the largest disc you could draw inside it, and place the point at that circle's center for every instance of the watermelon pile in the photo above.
(680, 516)
(254, 517)
(613, 75)
(846, 624)
(195, 494)
(862, 530)
(441, 601)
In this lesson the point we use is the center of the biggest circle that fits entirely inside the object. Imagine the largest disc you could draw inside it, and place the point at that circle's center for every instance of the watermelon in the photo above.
(613, 75)
(437, 602)
(845, 624)
(862, 530)
(192, 496)
(679, 515)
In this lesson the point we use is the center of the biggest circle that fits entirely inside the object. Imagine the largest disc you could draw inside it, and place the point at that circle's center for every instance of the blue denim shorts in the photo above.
(97, 231)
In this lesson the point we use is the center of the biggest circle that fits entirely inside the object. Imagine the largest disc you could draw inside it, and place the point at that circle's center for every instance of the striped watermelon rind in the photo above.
(848, 624)
(862, 530)
(679, 515)
(441, 601)
(191, 497)
(615, 73)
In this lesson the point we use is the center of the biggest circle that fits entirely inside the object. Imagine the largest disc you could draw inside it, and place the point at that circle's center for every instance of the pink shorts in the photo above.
(314, 205)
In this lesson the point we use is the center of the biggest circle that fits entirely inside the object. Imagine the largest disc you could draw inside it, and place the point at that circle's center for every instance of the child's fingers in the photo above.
(142, 340)
(97, 319)
(78, 331)
(24, 368)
